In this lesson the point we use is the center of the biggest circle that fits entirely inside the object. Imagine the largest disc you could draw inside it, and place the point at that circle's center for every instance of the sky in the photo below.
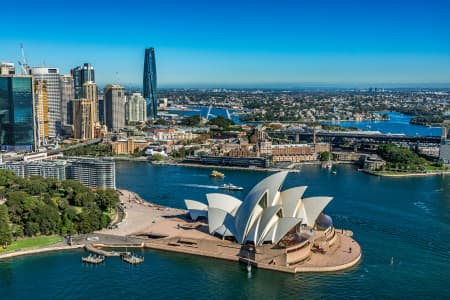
(237, 43)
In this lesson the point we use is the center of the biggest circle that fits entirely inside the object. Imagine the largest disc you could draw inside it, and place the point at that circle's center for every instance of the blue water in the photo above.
(203, 111)
(404, 218)
(397, 123)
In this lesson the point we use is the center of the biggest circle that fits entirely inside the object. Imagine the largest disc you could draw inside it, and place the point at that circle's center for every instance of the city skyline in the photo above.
(251, 44)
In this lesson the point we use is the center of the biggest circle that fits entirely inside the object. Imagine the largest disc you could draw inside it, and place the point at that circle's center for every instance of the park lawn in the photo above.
(30, 243)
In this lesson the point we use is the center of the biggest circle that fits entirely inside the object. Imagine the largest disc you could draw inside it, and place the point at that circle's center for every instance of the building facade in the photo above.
(41, 111)
(47, 169)
(82, 74)
(150, 82)
(67, 95)
(51, 78)
(83, 119)
(94, 173)
(90, 92)
(114, 102)
(17, 116)
(7, 68)
(135, 108)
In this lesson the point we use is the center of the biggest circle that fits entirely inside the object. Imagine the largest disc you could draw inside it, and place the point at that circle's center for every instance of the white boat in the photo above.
(231, 187)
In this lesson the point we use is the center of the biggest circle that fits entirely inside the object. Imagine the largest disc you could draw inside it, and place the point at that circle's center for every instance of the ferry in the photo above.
(231, 187)
(217, 174)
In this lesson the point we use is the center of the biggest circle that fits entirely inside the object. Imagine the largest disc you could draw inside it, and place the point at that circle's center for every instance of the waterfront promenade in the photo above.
(167, 229)
(146, 225)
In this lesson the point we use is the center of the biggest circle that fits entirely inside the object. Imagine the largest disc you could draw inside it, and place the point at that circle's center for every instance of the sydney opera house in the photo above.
(272, 225)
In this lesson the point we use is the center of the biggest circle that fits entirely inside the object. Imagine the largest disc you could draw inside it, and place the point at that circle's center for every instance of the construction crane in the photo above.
(23, 64)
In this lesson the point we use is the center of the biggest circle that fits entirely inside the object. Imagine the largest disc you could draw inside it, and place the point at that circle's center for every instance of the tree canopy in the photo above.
(39, 206)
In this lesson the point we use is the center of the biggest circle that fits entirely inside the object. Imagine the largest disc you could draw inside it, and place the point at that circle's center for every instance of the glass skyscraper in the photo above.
(81, 75)
(150, 82)
(17, 129)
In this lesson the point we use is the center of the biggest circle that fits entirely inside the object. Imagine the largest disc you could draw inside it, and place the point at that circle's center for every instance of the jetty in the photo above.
(93, 259)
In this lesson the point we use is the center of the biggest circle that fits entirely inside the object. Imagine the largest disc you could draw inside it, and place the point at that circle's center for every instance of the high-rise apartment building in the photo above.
(83, 119)
(94, 173)
(135, 108)
(82, 74)
(114, 101)
(90, 92)
(150, 82)
(17, 119)
(51, 78)
(67, 95)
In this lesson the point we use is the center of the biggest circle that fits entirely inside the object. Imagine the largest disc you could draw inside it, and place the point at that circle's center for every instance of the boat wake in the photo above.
(202, 186)
(422, 206)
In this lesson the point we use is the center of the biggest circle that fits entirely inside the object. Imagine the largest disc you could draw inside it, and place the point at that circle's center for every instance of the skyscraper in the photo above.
(150, 82)
(82, 74)
(83, 119)
(67, 95)
(135, 108)
(41, 111)
(51, 78)
(90, 92)
(17, 122)
(114, 101)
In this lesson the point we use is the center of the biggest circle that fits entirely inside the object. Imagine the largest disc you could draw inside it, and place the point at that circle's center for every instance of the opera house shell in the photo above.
(268, 218)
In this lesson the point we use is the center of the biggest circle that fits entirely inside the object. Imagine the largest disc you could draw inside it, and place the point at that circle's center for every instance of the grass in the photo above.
(31, 243)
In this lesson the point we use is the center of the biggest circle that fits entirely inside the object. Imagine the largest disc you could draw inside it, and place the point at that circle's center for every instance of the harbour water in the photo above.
(402, 225)
(398, 123)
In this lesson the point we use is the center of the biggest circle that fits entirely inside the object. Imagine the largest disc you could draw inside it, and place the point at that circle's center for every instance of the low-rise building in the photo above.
(128, 146)
(374, 162)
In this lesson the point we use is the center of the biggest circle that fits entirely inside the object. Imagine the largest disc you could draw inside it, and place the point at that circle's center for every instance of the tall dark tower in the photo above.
(150, 82)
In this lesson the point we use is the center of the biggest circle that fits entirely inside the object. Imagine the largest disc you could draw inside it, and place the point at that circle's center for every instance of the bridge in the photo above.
(373, 137)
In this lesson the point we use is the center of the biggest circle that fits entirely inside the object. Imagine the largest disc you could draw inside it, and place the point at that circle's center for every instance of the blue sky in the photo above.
(237, 43)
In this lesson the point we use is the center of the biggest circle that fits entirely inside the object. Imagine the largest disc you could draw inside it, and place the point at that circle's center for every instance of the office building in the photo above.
(135, 108)
(81, 75)
(114, 101)
(83, 119)
(67, 95)
(51, 78)
(90, 92)
(17, 118)
(150, 82)
(94, 173)
(7, 68)
(101, 109)
(41, 111)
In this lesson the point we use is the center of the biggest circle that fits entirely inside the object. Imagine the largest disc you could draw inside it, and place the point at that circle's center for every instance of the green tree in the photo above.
(6, 176)
(326, 156)
(5, 231)
(221, 122)
(191, 121)
(107, 199)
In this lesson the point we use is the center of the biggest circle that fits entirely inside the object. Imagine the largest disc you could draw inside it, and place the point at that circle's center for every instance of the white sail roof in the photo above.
(266, 190)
